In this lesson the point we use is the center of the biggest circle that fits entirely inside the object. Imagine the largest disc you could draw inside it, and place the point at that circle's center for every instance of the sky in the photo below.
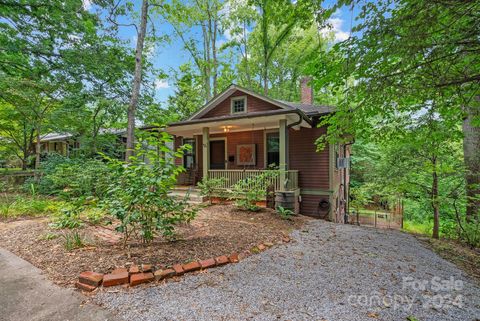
(169, 56)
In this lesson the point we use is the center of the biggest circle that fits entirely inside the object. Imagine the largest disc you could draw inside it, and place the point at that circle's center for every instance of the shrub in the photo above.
(69, 177)
(138, 194)
(69, 217)
(284, 213)
(211, 187)
(470, 233)
(94, 215)
(248, 191)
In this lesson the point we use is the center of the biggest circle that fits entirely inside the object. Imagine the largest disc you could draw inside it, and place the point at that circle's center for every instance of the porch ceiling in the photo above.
(236, 123)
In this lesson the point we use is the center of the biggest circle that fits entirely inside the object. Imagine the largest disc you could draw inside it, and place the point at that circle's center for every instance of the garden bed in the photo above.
(216, 230)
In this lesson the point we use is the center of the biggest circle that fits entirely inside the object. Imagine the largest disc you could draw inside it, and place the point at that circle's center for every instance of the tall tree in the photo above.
(276, 21)
(198, 26)
(137, 81)
(53, 51)
(402, 50)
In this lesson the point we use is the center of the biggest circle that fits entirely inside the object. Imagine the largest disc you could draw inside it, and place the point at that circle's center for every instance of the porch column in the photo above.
(283, 152)
(205, 151)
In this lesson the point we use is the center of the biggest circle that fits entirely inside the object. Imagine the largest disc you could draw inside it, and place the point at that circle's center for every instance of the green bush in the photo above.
(138, 193)
(248, 191)
(71, 177)
(470, 233)
(211, 187)
(69, 217)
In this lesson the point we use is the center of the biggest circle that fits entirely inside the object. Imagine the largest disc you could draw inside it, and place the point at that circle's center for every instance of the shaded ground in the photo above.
(464, 257)
(217, 230)
(330, 272)
(26, 295)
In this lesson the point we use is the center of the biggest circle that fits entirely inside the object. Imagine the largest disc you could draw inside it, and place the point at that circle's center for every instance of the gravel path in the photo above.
(329, 272)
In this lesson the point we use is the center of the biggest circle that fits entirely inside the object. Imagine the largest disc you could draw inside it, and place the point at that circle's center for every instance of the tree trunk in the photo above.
(435, 205)
(265, 43)
(137, 81)
(214, 56)
(247, 70)
(471, 155)
(37, 152)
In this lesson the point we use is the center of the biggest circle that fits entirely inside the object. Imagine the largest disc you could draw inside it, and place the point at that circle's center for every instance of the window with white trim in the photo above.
(239, 105)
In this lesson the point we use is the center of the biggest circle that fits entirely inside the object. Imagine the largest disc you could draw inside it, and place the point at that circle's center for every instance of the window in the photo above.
(189, 156)
(239, 105)
(273, 149)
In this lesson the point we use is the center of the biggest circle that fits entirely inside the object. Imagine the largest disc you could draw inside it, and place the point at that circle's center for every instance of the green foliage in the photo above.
(49, 236)
(284, 213)
(19, 205)
(210, 187)
(186, 100)
(94, 215)
(470, 234)
(73, 241)
(138, 194)
(71, 177)
(250, 190)
(69, 217)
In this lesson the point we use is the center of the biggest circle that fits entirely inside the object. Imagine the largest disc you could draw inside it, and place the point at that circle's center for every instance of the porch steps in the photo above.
(194, 195)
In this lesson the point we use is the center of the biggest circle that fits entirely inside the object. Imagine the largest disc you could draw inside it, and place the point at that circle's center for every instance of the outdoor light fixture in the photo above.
(226, 129)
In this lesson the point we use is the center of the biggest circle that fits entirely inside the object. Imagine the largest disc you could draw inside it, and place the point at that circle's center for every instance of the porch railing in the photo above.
(234, 175)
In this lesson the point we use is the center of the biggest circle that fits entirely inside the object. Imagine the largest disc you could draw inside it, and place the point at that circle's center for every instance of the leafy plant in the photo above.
(211, 187)
(138, 194)
(68, 218)
(94, 215)
(68, 177)
(284, 213)
(12, 206)
(73, 241)
(249, 191)
(49, 236)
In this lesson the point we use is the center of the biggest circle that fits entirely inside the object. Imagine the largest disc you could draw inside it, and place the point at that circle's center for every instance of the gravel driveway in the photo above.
(329, 272)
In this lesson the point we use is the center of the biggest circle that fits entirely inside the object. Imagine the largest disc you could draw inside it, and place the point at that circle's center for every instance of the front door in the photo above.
(217, 154)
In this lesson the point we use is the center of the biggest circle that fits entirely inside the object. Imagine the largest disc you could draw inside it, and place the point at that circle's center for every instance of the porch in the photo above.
(237, 150)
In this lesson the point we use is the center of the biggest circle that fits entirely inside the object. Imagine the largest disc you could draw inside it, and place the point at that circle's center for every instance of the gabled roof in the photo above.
(307, 109)
(310, 109)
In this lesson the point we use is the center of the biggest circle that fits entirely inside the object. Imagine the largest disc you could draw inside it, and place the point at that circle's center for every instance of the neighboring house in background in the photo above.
(61, 143)
(65, 143)
(239, 133)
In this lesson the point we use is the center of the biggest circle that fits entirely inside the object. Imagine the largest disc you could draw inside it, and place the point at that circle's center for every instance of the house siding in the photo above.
(313, 169)
(312, 165)
(254, 104)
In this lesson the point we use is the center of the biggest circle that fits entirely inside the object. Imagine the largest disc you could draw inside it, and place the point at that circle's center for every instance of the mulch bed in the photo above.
(217, 230)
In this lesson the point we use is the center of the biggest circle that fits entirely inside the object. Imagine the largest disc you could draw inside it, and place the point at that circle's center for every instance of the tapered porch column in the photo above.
(205, 151)
(283, 152)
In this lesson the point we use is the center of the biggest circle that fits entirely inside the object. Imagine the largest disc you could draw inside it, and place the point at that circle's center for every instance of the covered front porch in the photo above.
(237, 148)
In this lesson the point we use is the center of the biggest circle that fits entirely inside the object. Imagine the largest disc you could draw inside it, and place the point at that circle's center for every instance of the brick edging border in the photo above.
(89, 281)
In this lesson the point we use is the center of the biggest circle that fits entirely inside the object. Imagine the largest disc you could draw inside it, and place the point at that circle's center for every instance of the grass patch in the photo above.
(19, 205)
(424, 228)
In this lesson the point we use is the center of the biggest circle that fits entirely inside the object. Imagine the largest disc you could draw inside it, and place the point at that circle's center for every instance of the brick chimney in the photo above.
(306, 91)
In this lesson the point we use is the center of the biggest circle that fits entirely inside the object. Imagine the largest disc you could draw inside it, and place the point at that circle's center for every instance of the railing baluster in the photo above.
(233, 176)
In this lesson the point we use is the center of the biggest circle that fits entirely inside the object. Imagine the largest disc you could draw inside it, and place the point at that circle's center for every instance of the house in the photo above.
(60, 143)
(67, 144)
(239, 133)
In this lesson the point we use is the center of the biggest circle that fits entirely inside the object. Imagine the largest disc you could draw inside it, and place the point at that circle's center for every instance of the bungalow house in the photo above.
(239, 133)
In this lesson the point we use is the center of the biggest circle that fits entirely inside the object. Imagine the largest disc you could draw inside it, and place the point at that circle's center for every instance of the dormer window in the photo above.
(239, 104)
